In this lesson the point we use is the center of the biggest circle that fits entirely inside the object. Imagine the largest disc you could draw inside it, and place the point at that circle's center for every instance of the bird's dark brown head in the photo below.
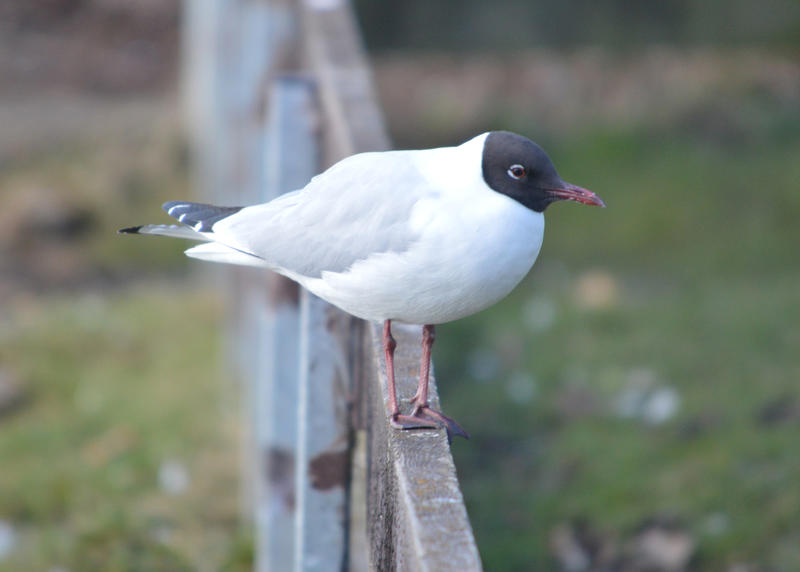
(517, 167)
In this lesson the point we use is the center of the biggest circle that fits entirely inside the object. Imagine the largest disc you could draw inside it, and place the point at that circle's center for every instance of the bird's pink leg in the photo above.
(422, 409)
(428, 337)
(397, 420)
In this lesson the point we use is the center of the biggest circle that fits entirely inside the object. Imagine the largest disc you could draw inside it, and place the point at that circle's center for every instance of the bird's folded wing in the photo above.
(358, 208)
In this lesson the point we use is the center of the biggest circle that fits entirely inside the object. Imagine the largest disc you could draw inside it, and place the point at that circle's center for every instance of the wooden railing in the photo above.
(277, 90)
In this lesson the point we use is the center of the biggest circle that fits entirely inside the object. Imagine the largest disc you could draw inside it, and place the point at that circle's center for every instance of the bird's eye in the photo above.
(516, 172)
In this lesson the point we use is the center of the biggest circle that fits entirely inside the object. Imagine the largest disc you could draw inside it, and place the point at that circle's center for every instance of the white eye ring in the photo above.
(516, 171)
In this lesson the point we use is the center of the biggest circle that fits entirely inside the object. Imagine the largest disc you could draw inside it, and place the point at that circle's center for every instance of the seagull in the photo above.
(418, 236)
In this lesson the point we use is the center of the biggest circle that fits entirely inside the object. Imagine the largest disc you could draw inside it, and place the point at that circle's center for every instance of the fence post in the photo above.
(290, 160)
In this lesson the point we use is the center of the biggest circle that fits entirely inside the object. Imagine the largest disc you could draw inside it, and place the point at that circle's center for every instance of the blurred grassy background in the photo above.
(634, 404)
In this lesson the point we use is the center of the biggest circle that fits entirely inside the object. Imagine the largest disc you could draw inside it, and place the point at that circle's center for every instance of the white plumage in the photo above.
(412, 236)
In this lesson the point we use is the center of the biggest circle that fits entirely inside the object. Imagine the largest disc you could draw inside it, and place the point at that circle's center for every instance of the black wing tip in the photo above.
(130, 230)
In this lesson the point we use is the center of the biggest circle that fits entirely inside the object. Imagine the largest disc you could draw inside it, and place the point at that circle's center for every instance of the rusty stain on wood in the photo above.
(329, 470)
(279, 468)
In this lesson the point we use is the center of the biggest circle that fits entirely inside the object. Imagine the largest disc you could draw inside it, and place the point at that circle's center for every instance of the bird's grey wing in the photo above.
(358, 207)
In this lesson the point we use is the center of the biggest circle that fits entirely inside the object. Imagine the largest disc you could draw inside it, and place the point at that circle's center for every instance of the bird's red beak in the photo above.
(570, 192)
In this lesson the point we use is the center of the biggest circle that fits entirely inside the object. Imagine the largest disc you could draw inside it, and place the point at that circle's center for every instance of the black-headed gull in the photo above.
(421, 237)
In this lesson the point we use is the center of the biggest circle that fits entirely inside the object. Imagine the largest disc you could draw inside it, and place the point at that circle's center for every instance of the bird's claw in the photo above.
(453, 428)
(423, 417)
(411, 422)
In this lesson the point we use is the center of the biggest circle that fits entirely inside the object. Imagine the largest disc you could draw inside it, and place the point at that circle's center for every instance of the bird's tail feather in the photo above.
(176, 231)
(197, 221)
(217, 252)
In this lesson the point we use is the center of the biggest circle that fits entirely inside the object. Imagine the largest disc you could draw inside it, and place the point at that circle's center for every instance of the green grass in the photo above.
(122, 374)
(700, 241)
(119, 384)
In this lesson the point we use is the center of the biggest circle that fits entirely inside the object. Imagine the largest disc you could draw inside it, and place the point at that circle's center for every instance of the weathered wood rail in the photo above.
(278, 90)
